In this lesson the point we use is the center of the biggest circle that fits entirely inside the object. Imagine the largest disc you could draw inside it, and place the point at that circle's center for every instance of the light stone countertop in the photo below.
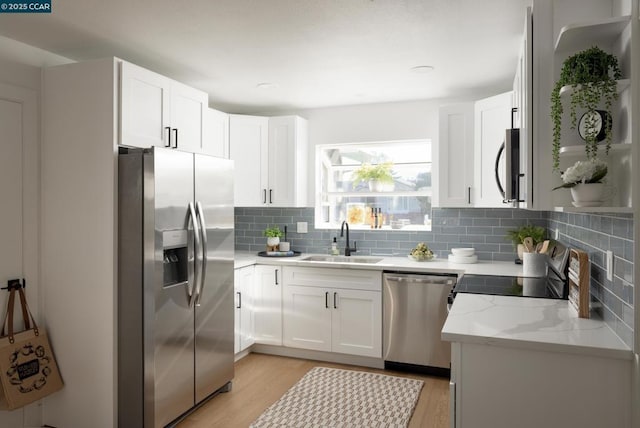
(529, 323)
(404, 264)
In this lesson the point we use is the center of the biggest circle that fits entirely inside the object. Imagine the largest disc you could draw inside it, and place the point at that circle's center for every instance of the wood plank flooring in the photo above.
(260, 380)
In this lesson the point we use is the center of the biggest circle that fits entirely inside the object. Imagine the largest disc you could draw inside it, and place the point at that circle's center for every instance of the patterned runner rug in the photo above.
(336, 398)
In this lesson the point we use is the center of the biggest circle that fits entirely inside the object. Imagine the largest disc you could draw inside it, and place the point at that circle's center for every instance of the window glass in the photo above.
(384, 185)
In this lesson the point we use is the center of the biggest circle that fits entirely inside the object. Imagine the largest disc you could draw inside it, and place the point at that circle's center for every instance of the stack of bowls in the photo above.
(463, 255)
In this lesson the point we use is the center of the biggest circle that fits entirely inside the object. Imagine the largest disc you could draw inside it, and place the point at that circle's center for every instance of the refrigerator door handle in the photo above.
(203, 265)
(193, 290)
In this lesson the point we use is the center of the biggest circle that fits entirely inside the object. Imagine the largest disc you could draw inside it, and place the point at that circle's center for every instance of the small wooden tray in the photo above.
(579, 280)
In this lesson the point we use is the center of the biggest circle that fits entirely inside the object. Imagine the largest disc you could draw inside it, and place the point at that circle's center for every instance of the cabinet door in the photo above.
(287, 162)
(215, 134)
(244, 322)
(267, 305)
(306, 318)
(237, 314)
(187, 114)
(454, 156)
(492, 119)
(356, 324)
(246, 278)
(248, 145)
(144, 114)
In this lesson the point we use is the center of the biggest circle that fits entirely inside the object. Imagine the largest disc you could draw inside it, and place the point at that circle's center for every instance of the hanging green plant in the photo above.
(592, 73)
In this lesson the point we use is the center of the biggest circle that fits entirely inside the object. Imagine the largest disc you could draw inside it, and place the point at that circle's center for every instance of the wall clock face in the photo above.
(592, 123)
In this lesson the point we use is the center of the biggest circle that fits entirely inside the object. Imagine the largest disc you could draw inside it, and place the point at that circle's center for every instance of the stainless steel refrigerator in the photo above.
(175, 283)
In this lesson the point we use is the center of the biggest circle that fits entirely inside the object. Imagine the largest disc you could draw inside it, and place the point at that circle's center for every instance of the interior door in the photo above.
(214, 313)
(19, 192)
(173, 319)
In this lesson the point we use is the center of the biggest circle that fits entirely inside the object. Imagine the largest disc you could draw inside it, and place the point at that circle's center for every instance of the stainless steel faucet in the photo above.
(347, 249)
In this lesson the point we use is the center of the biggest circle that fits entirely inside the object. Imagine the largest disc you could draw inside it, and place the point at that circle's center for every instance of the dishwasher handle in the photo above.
(421, 279)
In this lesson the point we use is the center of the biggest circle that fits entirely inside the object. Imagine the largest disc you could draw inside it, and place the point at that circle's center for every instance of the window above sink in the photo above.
(400, 201)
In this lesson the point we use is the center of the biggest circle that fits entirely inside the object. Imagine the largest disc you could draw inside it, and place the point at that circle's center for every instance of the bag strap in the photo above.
(27, 317)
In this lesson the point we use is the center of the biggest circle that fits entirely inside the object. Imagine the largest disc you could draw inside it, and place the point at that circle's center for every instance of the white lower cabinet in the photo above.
(244, 322)
(333, 310)
(494, 386)
(267, 305)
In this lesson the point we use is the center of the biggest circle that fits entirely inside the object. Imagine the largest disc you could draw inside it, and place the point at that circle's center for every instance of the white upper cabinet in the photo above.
(144, 98)
(270, 157)
(454, 157)
(157, 111)
(248, 147)
(492, 119)
(188, 107)
(215, 133)
(288, 164)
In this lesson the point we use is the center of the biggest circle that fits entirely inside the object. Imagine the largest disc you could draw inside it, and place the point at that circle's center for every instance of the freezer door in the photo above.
(214, 310)
(171, 318)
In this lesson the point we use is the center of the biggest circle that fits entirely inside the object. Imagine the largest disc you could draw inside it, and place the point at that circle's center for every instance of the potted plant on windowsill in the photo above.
(517, 236)
(273, 235)
(593, 76)
(379, 176)
(584, 179)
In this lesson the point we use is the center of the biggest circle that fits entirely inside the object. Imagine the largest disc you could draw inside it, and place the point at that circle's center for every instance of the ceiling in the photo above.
(317, 53)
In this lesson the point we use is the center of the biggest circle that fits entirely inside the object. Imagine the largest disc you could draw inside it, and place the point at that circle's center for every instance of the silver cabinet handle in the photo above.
(264, 196)
(203, 265)
(276, 272)
(270, 196)
(239, 300)
(197, 255)
(326, 299)
(335, 300)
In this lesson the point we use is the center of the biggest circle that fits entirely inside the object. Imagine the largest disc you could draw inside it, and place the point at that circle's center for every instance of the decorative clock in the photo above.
(594, 124)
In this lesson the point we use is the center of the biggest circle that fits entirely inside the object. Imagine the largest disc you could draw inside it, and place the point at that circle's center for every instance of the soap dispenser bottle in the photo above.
(334, 247)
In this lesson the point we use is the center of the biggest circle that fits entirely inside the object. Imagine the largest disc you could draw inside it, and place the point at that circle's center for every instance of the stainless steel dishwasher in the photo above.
(414, 311)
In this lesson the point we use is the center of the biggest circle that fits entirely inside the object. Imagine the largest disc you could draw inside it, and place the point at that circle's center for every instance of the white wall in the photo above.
(370, 122)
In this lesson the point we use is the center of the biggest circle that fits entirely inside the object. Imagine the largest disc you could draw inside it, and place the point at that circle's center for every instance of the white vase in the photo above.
(380, 186)
(588, 193)
(273, 242)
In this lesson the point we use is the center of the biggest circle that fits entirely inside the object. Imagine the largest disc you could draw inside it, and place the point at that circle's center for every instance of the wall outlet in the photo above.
(302, 227)
(610, 265)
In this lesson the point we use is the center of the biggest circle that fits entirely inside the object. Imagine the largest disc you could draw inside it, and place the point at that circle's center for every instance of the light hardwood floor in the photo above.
(260, 380)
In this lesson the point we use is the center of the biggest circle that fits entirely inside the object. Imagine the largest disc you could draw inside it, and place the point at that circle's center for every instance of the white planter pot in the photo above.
(379, 186)
(273, 242)
(589, 193)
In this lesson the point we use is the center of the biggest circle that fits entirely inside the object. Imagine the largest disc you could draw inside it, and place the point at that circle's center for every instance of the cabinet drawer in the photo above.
(355, 279)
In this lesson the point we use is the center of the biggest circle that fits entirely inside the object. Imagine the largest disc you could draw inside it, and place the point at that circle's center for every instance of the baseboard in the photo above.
(282, 351)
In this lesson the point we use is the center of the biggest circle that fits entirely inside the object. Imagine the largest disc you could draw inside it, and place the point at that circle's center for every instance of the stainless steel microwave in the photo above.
(509, 182)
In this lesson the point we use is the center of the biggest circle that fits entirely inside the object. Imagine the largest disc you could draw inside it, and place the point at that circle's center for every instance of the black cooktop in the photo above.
(548, 288)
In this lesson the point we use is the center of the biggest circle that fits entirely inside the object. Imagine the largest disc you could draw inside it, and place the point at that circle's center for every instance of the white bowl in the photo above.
(465, 252)
(463, 259)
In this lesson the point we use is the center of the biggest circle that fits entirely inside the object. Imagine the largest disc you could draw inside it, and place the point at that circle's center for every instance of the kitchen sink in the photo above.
(342, 259)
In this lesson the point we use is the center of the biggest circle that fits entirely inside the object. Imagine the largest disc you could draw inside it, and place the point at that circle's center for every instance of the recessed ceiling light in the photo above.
(266, 85)
(422, 69)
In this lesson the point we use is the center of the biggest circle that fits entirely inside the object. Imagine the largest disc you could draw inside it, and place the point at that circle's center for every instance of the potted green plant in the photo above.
(517, 236)
(592, 74)
(273, 235)
(379, 176)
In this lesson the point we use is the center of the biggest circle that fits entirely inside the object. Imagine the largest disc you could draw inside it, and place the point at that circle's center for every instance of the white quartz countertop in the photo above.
(537, 324)
(404, 264)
